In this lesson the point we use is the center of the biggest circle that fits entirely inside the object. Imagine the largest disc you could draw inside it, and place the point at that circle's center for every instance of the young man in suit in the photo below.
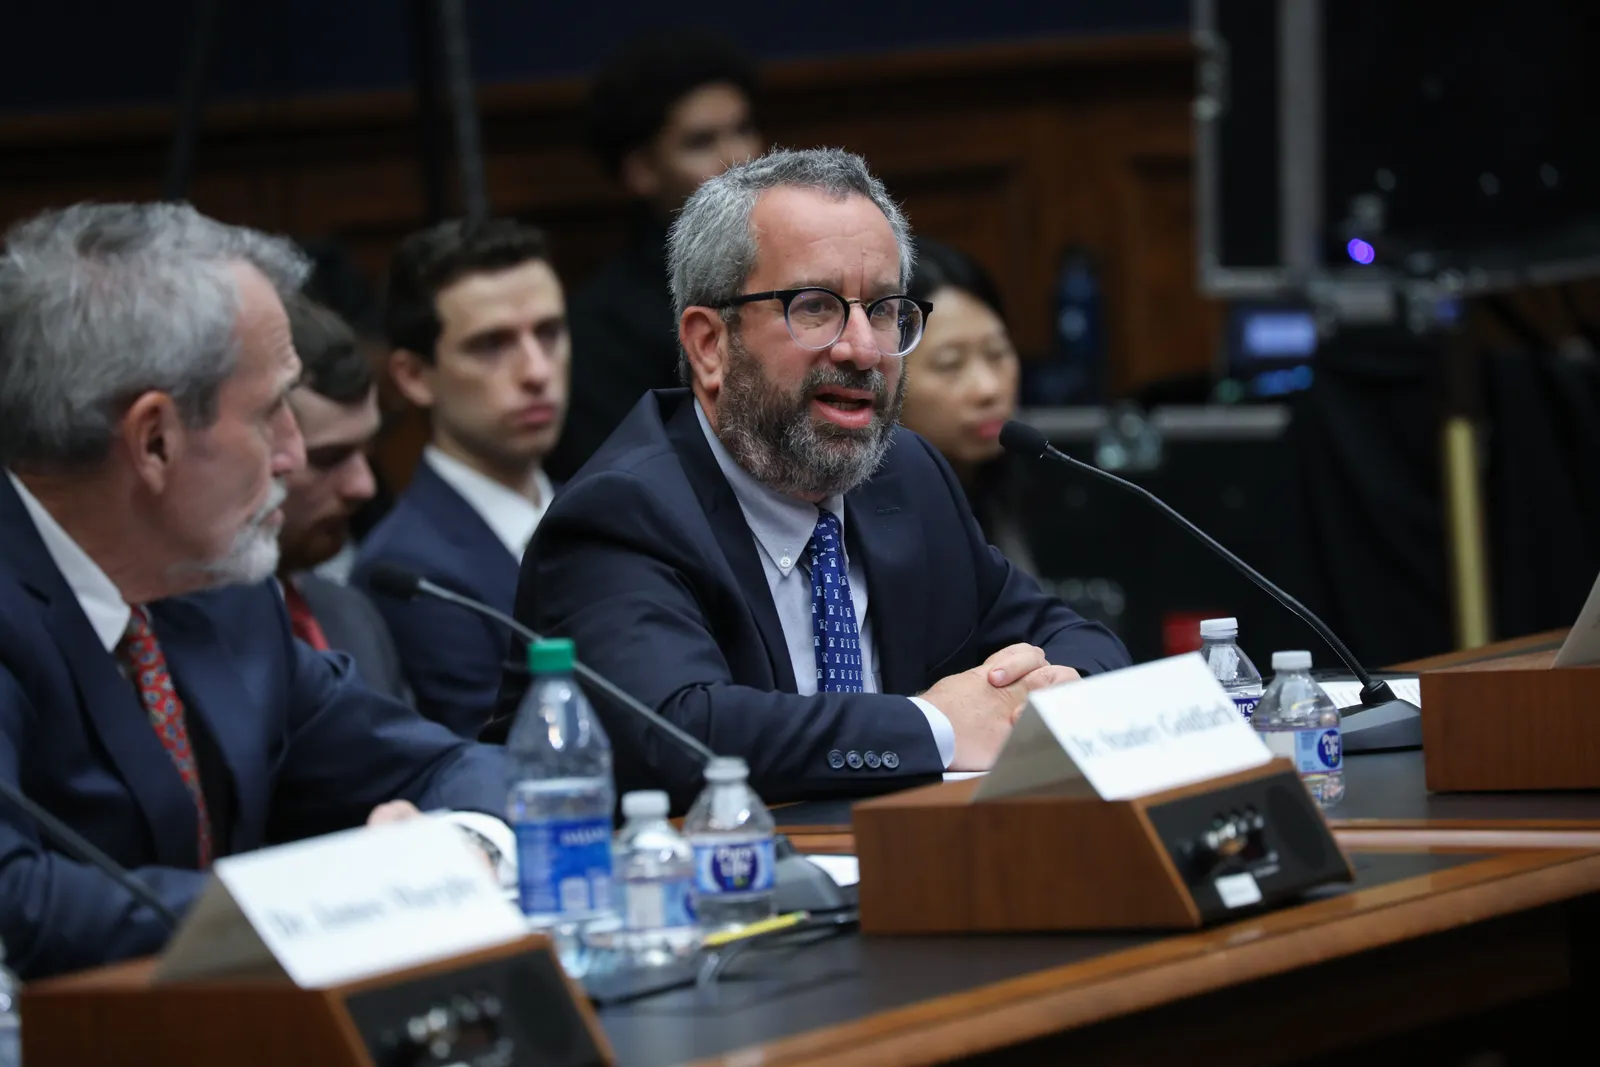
(336, 407)
(152, 695)
(765, 557)
(477, 320)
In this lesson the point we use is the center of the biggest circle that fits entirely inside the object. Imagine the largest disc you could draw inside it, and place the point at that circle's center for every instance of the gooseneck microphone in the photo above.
(78, 847)
(1384, 720)
(405, 585)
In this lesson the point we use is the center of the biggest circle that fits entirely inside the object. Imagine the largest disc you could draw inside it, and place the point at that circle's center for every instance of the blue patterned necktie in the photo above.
(834, 636)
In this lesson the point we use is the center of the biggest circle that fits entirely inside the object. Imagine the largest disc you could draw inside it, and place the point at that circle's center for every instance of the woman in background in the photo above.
(962, 387)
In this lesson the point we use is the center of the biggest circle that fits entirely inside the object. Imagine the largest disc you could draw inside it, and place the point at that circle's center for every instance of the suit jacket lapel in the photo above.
(462, 524)
(727, 522)
(210, 684)
(881, 531)
(109, 702)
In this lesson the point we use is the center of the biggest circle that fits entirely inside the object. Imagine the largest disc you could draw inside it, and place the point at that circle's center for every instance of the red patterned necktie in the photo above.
(302, 620)
(142, 654)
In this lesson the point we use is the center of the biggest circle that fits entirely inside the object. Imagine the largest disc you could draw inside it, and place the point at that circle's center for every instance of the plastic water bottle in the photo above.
(1219, 647)
(10, 1015)
(655, 874)
(559, 801)
(1296, 720)
(735, 864)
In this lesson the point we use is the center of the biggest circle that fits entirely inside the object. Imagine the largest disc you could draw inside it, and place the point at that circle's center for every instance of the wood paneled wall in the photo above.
(1013, 152)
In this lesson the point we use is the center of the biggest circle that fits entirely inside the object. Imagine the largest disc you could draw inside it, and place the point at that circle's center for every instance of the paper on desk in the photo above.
(1582, 646)
(1346, 693)
(844, 870)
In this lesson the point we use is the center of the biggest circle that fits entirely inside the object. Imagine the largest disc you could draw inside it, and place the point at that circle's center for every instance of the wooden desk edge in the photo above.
(1185, 965)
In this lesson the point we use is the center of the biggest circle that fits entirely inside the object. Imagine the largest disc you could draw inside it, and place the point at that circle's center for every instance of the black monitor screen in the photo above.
(1474, 122)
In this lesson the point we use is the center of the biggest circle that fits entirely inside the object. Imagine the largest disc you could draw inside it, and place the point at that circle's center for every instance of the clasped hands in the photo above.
(984, 702)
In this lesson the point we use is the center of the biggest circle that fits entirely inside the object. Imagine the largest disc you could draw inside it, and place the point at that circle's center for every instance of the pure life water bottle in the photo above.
(559, 801)
(1296, 720)
(734, 856)
(1219, 647)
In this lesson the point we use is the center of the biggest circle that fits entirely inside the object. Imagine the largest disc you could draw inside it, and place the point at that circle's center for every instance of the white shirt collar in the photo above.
(781, 525)
(512, 516)
(97, 595)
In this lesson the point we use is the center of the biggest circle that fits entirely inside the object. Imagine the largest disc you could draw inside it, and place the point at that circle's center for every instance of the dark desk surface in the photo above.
(820, 1002)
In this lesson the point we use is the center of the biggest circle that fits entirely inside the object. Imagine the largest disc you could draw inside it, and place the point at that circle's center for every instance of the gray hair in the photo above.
(711, 250)
(102, 302)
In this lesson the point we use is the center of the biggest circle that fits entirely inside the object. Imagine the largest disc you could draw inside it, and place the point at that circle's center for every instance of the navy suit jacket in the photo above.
(351, 623)
(307, 747)
(645, 560)
(452, 658)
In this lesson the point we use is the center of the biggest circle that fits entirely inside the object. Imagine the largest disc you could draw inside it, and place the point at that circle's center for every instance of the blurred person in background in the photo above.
(478, 324)
(667, 112)
(336, 408)
(962, 387)
(338, 283)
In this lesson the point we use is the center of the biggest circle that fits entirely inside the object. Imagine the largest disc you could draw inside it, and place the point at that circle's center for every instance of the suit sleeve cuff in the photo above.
(944, 735)
(494, 835)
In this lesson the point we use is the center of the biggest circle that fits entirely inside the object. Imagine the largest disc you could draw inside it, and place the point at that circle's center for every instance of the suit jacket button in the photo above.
(872, 759)
(836, 759)
(891, 760)
(854, 759)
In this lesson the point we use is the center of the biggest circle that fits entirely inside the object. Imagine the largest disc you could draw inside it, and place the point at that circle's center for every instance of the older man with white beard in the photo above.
(765, 557)
(151, 693)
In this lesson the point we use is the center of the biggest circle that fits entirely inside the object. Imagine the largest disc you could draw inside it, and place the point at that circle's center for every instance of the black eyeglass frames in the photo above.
(816, 317)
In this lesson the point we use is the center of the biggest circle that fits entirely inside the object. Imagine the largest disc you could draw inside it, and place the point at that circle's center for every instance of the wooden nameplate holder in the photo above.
(1517, 722)
(934, 860)
(510, 1005)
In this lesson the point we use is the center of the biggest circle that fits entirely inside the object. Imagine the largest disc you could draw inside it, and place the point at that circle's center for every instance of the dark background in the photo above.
(83, 53)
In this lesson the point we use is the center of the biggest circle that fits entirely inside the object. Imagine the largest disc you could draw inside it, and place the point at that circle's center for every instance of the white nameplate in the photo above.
(342, 907)
(1582, 646)
(1126, 734)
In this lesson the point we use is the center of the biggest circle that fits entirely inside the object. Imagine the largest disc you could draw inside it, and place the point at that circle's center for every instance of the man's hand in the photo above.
(1014, 662)
(983, 702)
(394, 811)
(404, 810)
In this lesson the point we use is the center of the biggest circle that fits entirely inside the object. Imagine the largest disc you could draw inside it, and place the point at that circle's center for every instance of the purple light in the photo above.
(1360, 251)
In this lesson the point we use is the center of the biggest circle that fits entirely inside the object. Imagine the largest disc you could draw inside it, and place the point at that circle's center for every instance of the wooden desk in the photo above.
(1344, 971)
(1465, 905)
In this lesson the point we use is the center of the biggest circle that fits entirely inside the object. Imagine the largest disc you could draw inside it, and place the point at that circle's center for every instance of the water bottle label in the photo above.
(564, 866)
(734, 867)
(1318, 750)
(658, 905)
(1246, 705)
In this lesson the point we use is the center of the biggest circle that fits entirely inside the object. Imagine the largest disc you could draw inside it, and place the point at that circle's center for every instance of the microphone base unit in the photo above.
(1388, 726)
(936, 861)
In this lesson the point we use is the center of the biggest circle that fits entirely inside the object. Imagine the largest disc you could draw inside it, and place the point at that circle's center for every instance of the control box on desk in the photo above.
(508, 1006)
(934, 860)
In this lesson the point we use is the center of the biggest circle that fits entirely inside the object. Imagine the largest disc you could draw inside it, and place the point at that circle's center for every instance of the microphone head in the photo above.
(393, 581)
(1023, 440)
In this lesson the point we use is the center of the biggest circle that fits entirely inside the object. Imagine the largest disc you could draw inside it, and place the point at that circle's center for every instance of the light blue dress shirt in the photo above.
(781, 527)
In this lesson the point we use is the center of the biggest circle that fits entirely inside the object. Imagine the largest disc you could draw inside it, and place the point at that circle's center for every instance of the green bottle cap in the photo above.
(553, 655)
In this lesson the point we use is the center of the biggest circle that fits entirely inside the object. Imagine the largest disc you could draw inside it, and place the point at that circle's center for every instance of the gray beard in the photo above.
(772, 435)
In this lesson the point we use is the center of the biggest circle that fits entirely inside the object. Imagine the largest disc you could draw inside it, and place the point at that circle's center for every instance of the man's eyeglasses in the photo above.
(816, 317)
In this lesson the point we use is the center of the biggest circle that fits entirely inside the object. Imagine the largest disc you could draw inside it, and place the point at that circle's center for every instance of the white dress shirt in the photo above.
(781, 527)
(110, 614)
(512, 516)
